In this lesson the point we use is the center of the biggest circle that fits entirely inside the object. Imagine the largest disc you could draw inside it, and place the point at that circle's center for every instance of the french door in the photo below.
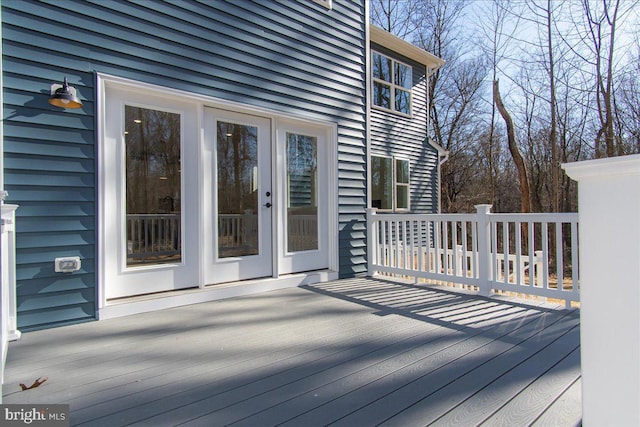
(304, 210)
(192, 195)
(148, 193)
(238, 197)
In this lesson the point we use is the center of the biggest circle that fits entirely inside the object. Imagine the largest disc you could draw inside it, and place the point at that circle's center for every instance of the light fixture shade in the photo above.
(64, 96)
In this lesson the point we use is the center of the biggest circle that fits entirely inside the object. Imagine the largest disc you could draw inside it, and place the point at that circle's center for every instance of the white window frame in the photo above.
(392, 85)
(395, 183)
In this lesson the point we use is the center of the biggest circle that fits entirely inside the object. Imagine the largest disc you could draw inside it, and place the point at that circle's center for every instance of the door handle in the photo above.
(267, 205)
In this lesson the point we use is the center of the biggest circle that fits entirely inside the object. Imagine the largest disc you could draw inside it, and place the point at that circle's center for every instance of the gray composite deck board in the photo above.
(350, 352)
(565, 411)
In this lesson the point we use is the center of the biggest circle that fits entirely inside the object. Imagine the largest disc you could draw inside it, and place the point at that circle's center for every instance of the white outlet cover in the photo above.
(67, 264)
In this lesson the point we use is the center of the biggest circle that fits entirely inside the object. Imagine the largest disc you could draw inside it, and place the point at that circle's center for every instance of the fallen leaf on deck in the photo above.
(35, 384)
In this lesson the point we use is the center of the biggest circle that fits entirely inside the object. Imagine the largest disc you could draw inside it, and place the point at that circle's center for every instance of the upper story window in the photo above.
(391, 84)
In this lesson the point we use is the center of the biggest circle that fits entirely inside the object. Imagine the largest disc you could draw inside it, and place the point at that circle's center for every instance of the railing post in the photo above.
(8, 307)
(609, 215)
(372, 240)
(9, 270)
(484, 249)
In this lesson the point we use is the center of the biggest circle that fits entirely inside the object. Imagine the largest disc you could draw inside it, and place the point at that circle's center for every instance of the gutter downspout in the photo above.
(443, 155)
(367, 130)
(367, 91)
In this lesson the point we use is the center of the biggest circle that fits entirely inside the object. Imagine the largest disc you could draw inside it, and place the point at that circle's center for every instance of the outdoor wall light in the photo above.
(64, 96)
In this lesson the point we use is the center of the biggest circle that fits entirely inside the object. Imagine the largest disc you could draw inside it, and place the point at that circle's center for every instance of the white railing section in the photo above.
(530, 254)
(8, 306)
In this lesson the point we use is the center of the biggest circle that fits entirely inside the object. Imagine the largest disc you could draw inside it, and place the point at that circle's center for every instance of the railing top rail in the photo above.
(424, 217)
(491, 217)
(534, 217)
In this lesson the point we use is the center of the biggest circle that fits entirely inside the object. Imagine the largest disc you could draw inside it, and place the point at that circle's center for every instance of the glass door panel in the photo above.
(153, 223)
(302, 192)
(303, 177)
(237, 154)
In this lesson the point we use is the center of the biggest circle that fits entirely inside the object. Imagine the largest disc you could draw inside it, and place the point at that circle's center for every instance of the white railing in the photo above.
(531, 254)
(8, 306)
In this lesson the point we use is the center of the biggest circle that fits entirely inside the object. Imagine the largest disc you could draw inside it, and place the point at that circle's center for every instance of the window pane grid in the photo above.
(381, 67)
(392, 82)
(382, 95)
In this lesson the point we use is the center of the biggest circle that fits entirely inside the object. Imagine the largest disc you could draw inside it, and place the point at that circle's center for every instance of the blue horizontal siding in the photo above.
(296, 57)
(45, 269)
(57, 315)
(47, 285)
(37, 209)
(406, 137)
(55, 239)
(15, 131)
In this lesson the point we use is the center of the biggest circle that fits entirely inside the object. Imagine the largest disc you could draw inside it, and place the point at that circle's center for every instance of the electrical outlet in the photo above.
(67, 264)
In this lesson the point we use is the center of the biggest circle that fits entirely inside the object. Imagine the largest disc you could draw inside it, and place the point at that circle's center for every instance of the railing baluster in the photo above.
(545, 255)
(494, 251)
(465, 263)
(385, 248)
(454, 247)
(475, 250)
(518, 266)
(445, 247)
(436, 236)
(532, 262)
(420, 249)
(505, 252)
(559, 257)
(574, 257)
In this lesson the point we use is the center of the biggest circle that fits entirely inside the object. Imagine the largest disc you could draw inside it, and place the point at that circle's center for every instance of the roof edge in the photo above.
(388, 40)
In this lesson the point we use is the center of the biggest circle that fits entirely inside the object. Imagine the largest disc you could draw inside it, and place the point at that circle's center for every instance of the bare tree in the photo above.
(523, 178)
(629, 107)
(571, 86)
(493, 26)
(395, 16)
(600, 26)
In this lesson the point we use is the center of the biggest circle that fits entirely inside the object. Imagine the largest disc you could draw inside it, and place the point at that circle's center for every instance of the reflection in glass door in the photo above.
(237, 154)
(153, 225)
(302, 192)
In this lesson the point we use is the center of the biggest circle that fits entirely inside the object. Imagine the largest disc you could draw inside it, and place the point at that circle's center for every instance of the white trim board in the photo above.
(166, 300)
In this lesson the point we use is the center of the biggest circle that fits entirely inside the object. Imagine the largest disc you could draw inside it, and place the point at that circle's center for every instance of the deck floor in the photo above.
(356, 352)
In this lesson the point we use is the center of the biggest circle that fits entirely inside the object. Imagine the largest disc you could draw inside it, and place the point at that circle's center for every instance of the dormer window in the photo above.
(391, 84)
